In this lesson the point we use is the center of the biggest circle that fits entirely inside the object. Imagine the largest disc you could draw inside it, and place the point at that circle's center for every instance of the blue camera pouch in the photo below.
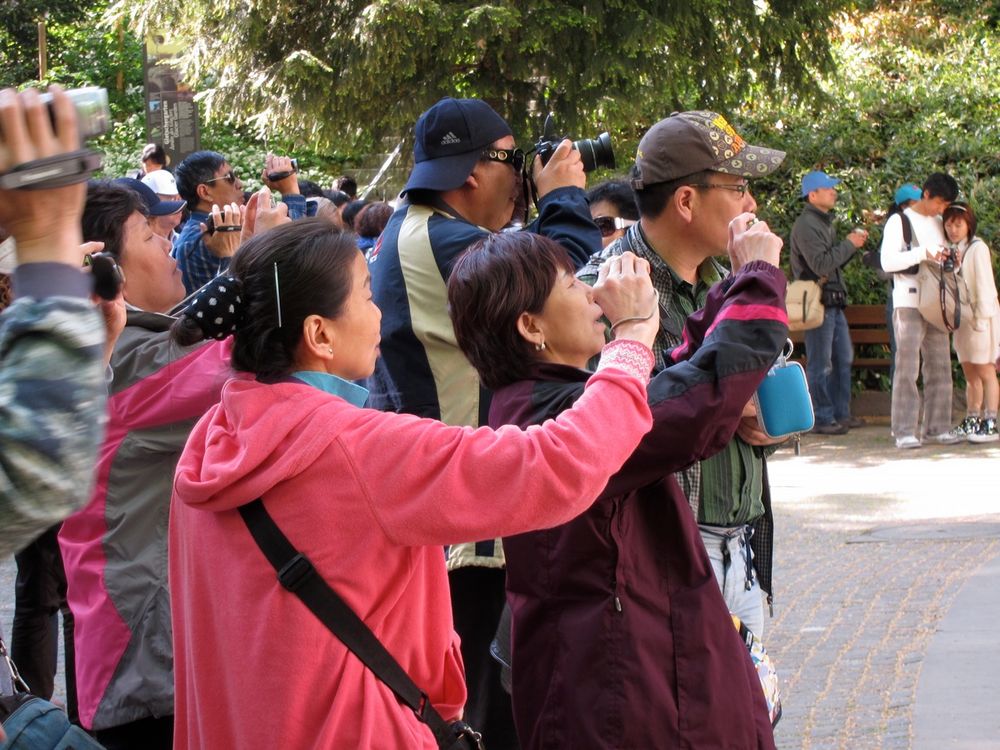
(784, 406)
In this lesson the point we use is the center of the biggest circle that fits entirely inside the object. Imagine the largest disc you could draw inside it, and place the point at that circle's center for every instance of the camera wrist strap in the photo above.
(53, 171)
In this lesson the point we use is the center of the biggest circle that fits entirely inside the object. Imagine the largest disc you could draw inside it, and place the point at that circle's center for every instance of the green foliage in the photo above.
(347, 72)
(19, 34)
(915, 93)
(85, 49)
(82, 51)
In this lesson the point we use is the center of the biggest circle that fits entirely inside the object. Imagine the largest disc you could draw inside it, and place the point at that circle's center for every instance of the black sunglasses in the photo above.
(512, 156)
(230, 178)
(611, 224)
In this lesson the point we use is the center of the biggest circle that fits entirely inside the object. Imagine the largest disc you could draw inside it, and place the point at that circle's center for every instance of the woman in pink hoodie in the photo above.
(368, 497)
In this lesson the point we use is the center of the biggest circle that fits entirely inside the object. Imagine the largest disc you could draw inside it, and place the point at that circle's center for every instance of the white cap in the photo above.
(161, 181)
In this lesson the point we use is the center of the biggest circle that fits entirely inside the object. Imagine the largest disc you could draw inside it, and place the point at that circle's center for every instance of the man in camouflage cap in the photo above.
(691, 183)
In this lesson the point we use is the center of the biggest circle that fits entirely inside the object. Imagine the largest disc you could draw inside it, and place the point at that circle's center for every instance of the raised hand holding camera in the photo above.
(44, 221)
(280, 174)
(561, 162)
(564, 169)
(751, 239)
(262, 212)
(222, 230)
(625, 293)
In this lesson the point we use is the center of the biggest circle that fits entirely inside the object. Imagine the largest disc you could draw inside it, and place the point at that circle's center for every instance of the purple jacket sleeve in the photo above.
(728, 347)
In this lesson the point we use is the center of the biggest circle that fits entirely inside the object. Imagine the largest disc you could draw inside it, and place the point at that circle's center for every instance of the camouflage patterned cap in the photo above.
(689, 142)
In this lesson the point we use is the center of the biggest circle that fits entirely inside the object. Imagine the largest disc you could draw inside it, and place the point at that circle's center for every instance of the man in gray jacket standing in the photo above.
(816, 255)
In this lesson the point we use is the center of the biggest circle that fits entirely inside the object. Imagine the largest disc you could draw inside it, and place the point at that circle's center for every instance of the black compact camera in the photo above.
(595, 152)
(948, 264)
(211, 229)
(275, 176)
(107, 274)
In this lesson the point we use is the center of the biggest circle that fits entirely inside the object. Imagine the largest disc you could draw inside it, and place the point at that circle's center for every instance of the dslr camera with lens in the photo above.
(595, 152)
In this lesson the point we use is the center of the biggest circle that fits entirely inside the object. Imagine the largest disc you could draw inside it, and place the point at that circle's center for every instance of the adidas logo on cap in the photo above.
(450, 139)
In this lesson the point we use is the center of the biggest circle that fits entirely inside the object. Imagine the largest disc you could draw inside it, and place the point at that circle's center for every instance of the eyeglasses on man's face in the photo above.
(740, 187)
(611, 224)
(231, 178)
(512, 156)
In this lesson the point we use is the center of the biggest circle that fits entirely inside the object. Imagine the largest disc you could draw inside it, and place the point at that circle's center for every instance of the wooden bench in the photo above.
(869, 334)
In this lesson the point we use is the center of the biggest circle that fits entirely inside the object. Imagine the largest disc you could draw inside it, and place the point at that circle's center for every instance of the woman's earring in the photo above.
(330, 349)
(540, 346)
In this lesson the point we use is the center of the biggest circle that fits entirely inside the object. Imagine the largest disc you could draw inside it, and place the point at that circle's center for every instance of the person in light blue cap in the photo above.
(817, 255)
(905, 196)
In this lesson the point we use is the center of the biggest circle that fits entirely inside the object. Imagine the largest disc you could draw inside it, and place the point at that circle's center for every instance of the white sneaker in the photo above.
(907, 442)
(986, 432)
(946, 438)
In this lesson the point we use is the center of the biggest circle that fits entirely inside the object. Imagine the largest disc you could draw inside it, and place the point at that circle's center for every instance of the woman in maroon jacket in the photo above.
(621, 637)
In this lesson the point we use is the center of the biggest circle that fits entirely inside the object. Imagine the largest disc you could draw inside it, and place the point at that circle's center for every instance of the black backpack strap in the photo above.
(908, 239)
(298, 575)
(907, 230)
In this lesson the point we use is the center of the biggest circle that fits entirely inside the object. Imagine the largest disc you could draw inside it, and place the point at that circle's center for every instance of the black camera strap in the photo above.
(298, 576)
(943, 296)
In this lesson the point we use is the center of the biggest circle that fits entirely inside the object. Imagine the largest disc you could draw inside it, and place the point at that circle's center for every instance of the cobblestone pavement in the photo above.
(872, 545)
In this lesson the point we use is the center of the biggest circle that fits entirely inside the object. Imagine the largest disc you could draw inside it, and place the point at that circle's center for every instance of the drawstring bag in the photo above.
(942, 296)
(32, 723)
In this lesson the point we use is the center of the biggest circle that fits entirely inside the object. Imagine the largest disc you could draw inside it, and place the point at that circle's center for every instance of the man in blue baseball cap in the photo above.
(817, 255)
(466, 180)
(164, 215)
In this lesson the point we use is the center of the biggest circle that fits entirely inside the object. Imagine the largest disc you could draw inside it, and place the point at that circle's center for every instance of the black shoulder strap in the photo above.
(907, 230)
(297, 574)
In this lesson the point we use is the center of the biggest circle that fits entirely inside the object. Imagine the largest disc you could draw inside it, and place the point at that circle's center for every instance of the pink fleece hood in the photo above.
(243, 446)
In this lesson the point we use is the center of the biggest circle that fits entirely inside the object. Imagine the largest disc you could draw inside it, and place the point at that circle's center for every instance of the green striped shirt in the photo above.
(724, 490)
(728, 485)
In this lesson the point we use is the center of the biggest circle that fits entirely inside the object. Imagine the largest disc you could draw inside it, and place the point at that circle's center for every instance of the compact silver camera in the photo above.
(92, 110)
(94, 119)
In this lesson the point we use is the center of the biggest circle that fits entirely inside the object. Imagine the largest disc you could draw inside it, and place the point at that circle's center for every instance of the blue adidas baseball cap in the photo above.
(817, 181)
(449, 139)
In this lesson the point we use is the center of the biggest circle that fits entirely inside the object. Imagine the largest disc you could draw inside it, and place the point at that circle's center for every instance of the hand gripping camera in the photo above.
(94, 119)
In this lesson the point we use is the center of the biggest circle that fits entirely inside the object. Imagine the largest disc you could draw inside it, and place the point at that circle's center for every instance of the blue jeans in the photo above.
(829, 355)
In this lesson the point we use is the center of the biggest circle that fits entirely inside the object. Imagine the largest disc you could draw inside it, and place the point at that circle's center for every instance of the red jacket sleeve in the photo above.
(728, 347)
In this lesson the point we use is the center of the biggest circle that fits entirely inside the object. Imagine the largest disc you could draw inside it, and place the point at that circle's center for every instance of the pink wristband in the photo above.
(629, 356)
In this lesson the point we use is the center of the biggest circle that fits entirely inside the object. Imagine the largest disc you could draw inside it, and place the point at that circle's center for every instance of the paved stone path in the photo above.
(873, 546)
